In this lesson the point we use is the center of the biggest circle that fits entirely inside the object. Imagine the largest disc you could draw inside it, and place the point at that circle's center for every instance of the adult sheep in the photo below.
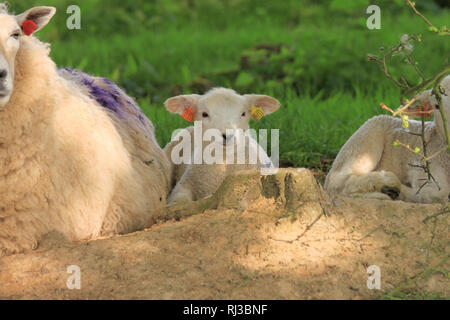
(77, 156)
(368, 165)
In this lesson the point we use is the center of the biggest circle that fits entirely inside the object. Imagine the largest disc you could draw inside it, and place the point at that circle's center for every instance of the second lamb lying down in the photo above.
(227, 114)
(368, 165)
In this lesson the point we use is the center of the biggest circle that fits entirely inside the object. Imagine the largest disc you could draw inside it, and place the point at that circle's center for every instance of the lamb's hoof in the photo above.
(393, 193)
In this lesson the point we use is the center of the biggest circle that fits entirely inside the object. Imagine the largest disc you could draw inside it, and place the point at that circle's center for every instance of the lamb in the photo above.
(368, 165)
(226, 113)
(77, 155)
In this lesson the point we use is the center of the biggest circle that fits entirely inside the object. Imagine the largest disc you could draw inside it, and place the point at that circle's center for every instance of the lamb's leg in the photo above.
(428, 193)
(180, 194)
(184, 189)
(353, 170)
(377, 184)
(198, 181)
(20, 232)
(371, 195)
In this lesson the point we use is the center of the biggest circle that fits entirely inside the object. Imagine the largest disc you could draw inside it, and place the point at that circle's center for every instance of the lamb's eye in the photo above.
(16, 35)
(243, 114)
(437, 107)
(205, 115)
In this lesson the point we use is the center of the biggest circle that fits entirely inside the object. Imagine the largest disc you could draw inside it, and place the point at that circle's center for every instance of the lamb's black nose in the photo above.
(227, 137)
(3, 74)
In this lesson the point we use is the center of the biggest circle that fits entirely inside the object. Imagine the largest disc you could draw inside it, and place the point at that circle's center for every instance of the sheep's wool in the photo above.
(77, 156)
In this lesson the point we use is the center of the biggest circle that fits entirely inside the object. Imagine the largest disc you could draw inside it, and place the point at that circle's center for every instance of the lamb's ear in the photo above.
(39, 15)
(446, 85)
(179, 103)
(426, 98)
(268, 104)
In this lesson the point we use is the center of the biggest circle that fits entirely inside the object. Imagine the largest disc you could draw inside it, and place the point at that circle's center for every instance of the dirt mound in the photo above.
(258, 237)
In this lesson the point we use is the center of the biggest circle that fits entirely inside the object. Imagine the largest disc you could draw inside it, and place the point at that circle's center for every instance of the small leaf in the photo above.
(405, 122)
(433, 29)
(416, 150)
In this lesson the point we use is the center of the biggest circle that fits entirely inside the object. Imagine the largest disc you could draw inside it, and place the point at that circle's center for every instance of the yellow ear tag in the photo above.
(257, 113)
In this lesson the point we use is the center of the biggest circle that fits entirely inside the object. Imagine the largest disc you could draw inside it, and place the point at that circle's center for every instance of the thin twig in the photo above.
(437, 214)
(445, 31)
(421, 275)
(414, 65)
(419, 14)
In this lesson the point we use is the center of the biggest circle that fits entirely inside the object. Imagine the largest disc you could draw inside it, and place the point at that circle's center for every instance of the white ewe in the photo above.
(77, 156)
(227, 113)
(368, 165)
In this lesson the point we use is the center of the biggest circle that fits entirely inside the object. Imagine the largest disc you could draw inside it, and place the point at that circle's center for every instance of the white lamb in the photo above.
(368, 165)
(77, 156)
(228, 113)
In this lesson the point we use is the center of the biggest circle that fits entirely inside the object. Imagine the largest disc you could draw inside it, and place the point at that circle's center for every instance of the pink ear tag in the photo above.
(28, 27)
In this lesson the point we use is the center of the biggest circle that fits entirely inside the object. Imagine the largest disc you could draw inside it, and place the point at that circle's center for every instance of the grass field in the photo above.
(311, 56)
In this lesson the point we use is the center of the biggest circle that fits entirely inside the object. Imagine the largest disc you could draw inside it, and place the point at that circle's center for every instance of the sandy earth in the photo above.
(276, 237)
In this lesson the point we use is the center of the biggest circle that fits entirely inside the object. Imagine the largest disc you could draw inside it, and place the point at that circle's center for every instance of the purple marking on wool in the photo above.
(109, 82)
(69, 70)
(142, 119)
(110, 98)
(105, 98)
(115, 93)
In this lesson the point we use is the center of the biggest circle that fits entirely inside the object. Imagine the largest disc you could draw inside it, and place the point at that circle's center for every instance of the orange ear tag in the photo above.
(257, 113)
(426, 111)
(188, 114)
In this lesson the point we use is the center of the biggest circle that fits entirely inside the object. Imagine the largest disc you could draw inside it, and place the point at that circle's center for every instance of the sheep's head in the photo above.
(10, 35)
(427, 98)
(222, 109)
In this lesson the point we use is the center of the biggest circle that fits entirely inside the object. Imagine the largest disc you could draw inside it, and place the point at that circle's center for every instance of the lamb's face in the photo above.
(445, 84)
(223, 110)
(10, 36)
(9, 45)
(430, 100)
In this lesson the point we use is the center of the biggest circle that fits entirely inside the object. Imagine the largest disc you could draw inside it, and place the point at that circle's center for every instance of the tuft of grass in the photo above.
(414, 295)
(409, 290)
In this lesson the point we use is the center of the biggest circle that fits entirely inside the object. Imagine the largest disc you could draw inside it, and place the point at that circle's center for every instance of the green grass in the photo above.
(311, 128)
(156, 49)
(415, 295)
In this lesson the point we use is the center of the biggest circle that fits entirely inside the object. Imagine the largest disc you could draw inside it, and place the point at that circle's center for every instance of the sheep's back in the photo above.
(107, 94)
(151, 166)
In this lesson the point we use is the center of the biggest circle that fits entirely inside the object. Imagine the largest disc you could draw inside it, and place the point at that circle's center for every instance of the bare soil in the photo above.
(272, 237)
